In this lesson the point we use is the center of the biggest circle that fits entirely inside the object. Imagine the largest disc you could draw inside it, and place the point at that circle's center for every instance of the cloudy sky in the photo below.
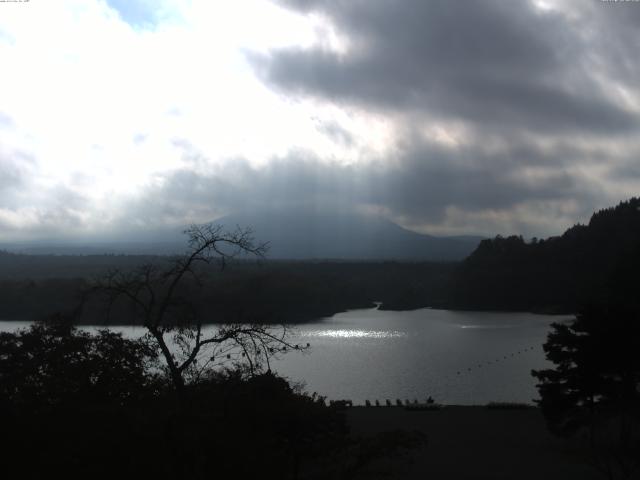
(478, 117)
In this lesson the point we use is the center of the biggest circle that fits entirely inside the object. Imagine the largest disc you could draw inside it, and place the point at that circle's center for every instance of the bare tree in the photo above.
(156, 295)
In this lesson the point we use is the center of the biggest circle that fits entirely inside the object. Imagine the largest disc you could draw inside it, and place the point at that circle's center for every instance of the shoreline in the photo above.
(307, 320)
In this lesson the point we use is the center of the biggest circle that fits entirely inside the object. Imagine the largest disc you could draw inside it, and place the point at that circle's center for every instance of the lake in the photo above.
(456, 357)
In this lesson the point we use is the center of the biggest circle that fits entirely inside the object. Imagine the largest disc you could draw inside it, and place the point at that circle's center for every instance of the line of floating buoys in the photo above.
(429, 401)
(499, 359)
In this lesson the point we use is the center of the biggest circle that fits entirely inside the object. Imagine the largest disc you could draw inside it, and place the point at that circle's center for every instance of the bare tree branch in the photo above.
(152, 293)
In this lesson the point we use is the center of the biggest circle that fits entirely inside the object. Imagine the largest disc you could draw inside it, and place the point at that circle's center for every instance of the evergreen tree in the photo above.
(593, 387)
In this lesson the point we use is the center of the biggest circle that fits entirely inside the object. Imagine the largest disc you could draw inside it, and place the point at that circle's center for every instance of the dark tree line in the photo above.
(269, 292)
(558, 274)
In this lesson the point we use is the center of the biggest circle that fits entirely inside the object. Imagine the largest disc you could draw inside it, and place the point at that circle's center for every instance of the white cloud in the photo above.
(99, 107)
(92, 96)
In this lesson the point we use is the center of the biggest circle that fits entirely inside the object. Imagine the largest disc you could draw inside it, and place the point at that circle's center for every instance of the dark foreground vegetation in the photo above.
(593, 390)
(475, 442)
(77, 405)
(80, 405)
(592, 393)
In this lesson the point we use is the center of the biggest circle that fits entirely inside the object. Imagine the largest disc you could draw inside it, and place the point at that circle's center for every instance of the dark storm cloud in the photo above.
(10, 177)
(419, 187)
(14, 175)
(422, 191)
(545, 99)
(297, 180)
(626, 170)
(490, 62)
(28, 210)
(616, 40)
(336, 132)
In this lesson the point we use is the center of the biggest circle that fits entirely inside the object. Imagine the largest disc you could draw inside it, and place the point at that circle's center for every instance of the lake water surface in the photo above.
(456, 357)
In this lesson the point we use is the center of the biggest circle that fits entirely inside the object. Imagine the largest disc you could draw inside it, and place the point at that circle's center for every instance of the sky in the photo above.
(484, 117)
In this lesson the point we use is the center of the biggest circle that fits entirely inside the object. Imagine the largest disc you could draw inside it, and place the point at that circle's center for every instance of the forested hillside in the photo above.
(586, 263)
(269, 291)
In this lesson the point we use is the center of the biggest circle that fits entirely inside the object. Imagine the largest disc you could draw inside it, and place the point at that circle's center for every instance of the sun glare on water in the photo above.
(354, 333)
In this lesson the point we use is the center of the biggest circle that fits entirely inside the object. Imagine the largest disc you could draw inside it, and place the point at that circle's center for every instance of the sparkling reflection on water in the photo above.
(352, 333)
(455, 357)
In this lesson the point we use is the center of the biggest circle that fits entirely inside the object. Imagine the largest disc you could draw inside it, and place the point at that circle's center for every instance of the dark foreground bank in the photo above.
(474, 443)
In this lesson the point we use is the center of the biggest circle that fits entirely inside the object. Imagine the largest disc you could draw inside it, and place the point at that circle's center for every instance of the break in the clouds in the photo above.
(137, 13)
(445, 117)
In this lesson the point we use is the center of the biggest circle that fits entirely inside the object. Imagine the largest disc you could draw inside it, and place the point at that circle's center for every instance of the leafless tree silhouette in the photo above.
(155, 293)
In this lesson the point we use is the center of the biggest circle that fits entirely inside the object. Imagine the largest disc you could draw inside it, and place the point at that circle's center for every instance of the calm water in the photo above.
(455, 357)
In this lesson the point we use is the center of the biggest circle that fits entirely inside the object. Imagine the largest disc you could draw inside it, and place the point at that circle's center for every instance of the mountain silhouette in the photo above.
(291, 233)
(300, 234)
